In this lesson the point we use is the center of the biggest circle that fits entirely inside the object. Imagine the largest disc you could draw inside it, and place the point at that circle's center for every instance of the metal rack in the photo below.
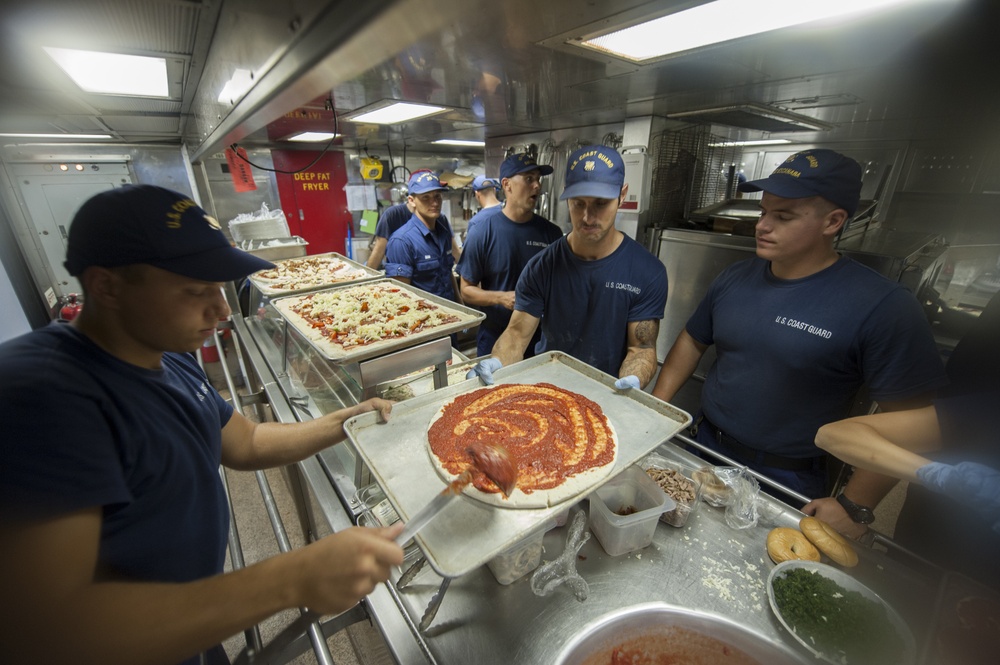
(687, 174)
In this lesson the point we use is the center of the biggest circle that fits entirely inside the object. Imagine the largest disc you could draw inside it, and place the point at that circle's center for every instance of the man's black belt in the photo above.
(759, 456)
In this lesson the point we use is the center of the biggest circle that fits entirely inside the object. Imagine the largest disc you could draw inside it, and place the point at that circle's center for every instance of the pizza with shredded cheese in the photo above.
(340, 320)
(307, 273)
(561, 442)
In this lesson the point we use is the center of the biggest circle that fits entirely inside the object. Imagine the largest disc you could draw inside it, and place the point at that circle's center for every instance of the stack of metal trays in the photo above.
(469, 533)
(274, 249)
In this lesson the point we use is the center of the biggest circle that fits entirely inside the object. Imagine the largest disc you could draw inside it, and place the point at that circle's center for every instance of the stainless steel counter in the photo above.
(705, 566)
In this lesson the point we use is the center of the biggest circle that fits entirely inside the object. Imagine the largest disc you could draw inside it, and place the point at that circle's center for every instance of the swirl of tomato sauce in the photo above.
(550, 433)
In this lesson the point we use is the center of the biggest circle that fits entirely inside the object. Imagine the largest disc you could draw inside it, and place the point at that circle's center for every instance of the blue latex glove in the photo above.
(484, 370)
(626, 382)
(972, 484)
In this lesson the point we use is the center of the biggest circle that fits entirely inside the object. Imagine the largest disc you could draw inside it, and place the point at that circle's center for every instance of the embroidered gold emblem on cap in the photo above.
(589, 165)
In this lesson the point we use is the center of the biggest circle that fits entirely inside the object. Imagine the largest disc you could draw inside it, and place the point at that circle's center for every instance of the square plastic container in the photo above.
(517, 561)
(677, 479)
(634, 492)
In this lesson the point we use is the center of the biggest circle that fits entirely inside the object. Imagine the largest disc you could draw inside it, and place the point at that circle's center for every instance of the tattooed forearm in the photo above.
(645, 334)
(640, 360)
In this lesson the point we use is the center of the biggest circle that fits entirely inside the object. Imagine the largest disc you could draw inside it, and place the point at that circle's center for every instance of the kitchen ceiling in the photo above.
(36, 96)
(504, 69)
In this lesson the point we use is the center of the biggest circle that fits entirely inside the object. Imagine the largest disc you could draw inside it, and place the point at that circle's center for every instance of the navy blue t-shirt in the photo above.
(423, 256)
(792, 354)
(393, 218)
(497, 252)
(585, 306)
(84, 429)
(482, 215)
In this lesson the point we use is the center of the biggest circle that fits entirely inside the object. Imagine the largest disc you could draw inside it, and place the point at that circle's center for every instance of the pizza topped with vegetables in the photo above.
(305, 273)
(343, 319)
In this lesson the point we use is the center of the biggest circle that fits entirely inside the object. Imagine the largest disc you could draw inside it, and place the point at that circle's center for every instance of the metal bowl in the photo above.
(846, 581)
(689, 631)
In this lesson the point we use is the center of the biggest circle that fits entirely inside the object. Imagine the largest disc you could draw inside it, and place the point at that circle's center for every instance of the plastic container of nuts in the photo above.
(677, 480)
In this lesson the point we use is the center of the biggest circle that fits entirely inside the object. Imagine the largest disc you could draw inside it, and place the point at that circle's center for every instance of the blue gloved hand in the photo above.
(972, 484)
(484, 370)
(626, 382)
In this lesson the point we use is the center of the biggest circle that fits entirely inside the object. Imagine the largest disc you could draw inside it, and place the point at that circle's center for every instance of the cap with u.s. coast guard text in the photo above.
(422, 182)
(522, 163)
(594, 170)
(158, 227)
(818, 172)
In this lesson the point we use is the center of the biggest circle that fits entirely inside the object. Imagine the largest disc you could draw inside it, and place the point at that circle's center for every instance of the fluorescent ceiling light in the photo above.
(729, 144)
(462, 142)
(721, 21)
(114, 73)
(312, 136)
(397, 113)
(236, 86)
(58, 136)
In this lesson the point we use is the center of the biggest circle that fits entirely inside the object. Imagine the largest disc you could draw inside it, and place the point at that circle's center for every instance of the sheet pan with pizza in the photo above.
(472, 532)
(375, 314)
(310, 272)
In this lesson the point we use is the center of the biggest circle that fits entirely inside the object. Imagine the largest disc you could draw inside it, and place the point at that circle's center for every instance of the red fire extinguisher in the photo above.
(71, 308)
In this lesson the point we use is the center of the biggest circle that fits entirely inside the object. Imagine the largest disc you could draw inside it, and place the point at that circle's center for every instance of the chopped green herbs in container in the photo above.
(843, 625)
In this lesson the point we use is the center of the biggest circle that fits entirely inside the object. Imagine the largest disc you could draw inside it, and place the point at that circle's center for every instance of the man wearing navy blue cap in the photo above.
(485, 191)
(500, 247)
(113, 517)
(798, 330)
(421, 253)
(597, 294)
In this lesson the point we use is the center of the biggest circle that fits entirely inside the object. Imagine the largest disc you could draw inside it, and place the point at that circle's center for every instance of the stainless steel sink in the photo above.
(660, 629)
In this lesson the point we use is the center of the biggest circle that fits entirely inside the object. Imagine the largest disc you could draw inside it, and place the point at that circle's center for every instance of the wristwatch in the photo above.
(857, 512)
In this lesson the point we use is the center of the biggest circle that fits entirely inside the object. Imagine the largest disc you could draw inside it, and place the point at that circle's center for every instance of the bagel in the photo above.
(784, 544)
(829, 542)
(713, 490)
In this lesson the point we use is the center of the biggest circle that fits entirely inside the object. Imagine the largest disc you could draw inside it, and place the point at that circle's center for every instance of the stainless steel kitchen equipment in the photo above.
(643, 624)
(398, 456)
(704, 566)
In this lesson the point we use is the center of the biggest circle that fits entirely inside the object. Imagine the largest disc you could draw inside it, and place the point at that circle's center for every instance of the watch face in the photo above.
(863, 516)
(859, 514)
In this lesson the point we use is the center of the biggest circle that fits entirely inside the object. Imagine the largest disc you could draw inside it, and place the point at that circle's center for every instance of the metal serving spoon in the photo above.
(490, 458)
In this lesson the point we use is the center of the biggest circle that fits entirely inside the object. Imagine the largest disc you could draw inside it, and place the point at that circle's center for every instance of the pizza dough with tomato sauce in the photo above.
(561, 442)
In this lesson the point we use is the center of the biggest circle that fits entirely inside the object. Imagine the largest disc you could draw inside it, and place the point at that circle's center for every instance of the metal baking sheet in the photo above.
(469, 533)
(468, 318)
(267, 290)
